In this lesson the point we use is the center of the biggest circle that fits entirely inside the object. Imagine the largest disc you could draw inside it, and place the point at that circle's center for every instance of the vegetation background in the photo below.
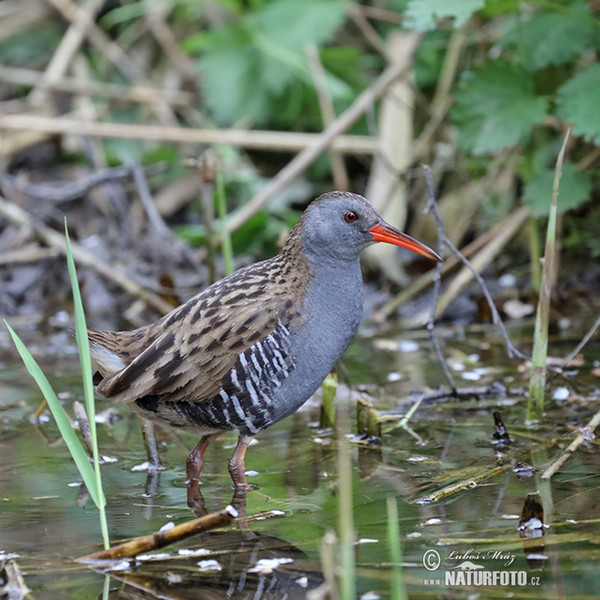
(341, 94)
(160, 128)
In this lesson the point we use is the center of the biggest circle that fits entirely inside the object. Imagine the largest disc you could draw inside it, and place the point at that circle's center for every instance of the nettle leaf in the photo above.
(257, 61)
(231, 68)
(422, 15)
(575, 189)
(496, 107)
(553, 38)
(291, 24)
(577, 103)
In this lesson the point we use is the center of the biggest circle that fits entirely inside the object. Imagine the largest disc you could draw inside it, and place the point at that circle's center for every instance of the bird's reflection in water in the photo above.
(233, 564)
(230, 564)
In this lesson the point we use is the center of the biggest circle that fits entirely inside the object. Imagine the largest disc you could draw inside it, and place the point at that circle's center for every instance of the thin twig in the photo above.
(338, 168)
(156, 18)
(381, 14)
(369, 32)
(69, 45)
(141, 183)
(511, 349)
(156, 220)
(496, 319)
(101, 89)
(69, 10)
(438, 279)
(586, 338)
(423, 282)
(69, 191)
(109, 49)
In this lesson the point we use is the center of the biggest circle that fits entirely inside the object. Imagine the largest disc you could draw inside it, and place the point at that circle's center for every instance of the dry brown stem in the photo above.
(338, 168)
(104, 89)
(263, 140)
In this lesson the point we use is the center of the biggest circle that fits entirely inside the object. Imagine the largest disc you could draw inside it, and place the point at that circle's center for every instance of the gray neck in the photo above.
(333, 306)
(332, 309)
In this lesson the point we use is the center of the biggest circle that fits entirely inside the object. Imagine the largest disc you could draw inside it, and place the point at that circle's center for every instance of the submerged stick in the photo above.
(581, 437)
(464, 484)
(160, 539)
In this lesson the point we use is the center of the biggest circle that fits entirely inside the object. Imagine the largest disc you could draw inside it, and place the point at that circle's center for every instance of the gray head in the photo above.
(340, 225)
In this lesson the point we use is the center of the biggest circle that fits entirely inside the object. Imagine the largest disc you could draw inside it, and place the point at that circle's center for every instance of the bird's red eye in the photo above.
(350, 217)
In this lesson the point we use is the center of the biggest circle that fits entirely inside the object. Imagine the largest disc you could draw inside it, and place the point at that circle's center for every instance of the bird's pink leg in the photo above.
(195, 459)
(237, 470)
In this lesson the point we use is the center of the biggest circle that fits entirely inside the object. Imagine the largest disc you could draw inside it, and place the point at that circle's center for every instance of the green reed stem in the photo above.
(226, 245)
(346, 517)
(537, 385)
(393, 531)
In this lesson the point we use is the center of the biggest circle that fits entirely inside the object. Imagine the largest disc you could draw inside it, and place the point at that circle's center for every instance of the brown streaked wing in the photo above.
(125, 344)
(191, 355)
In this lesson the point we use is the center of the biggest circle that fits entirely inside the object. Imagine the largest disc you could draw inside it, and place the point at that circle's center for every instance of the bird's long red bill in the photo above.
(383, 232)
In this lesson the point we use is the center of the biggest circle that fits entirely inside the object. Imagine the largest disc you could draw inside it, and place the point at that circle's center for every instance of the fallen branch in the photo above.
(68, 191)
(479, 476)
(160, 539)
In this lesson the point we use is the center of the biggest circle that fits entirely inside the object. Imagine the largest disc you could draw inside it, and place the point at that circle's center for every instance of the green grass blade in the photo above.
(398, 590)
(60, 416)
(346, 516)
(83, 346)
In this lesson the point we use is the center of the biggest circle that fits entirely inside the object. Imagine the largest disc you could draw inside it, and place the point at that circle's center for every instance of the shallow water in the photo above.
(294, 475)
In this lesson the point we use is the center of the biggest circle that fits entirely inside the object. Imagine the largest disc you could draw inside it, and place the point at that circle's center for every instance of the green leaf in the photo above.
(291, 24)
(60, 416)
(496, 107)
(231, 71)
(575, 189)
(249, 65)
(422, 15)
(83, 344)
(572, 32)
(577, 103)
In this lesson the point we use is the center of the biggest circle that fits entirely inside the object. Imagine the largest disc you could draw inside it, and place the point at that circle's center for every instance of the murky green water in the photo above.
(295, 490)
